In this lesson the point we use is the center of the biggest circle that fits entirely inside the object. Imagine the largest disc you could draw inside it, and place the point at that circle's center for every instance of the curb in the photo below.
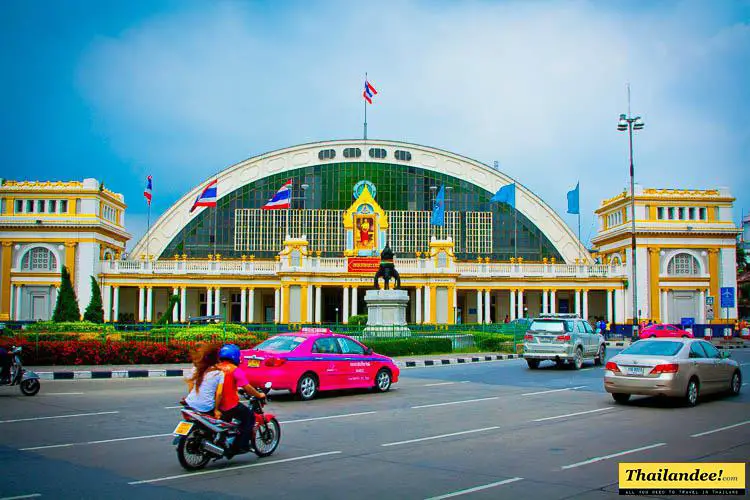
(612, 343)
(456, 361)
(110, 374)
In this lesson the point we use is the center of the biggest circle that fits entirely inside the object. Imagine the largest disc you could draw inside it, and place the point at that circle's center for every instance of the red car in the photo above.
(664, 331)
(316, 359)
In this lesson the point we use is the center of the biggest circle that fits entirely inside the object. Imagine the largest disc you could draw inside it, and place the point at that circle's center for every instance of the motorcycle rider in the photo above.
(205, 385)
(6, 359)
(230, 406)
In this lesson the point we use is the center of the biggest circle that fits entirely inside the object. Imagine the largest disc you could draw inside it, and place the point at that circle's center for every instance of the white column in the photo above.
(149, 304)
(19, 295)
(217, 301)
(701, 307)
(665, 306)
(310, 304)
(12, 302)
(354, 301)
(480, 307)
(318, 304)
(619, 306)
(183, 304)
(243, 305)
(610, 319)
(209, 301)
(552, 302)
(116, 303)
(578, 301)
(427, 304)
(513, 309)
(585, 305)
(545, 302)
(345, 315)
(141, 298)
(251, 305)
(520, 304)
(487, 302)
(175, 311)
(418, 305)
(276, 304)
(107, 302)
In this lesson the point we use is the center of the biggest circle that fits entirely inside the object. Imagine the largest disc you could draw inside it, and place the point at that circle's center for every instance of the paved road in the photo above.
(489, 430)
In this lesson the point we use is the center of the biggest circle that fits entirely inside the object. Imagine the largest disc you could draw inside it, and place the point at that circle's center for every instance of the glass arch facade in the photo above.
(399, 187)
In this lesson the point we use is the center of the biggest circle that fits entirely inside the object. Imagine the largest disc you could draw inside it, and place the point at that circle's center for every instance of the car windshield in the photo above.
(550, 325)
(281, 343)
(654, 348)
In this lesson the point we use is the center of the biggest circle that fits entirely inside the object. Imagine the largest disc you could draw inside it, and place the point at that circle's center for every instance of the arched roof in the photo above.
(306, 155)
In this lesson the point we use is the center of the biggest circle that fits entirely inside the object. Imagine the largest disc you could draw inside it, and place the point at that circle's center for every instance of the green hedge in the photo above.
(212, 328)
(72, 326)
(408, 346)
(493, 343)
(358, 320)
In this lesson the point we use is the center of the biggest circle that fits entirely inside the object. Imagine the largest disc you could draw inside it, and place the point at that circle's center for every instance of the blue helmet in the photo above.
(230, 352)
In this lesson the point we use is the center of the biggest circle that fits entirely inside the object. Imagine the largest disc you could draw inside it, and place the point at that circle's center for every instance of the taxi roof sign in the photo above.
(315, 330)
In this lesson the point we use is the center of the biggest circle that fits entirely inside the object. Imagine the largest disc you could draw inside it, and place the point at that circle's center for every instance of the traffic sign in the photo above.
(727, 297)
(709, 300)
(709, 311)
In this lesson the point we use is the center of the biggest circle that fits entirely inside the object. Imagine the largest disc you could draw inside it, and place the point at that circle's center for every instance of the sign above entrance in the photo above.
(358, 187)
(362, 264)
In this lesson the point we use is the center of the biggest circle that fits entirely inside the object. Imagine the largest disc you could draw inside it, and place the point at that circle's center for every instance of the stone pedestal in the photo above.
(386, 313)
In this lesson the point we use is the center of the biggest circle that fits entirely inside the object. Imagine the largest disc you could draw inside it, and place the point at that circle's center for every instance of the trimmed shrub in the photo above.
(94, 311)
(408, 346)
(358, 320)
(68, 326)
(66, 308)
(493, 343)
(167, 316)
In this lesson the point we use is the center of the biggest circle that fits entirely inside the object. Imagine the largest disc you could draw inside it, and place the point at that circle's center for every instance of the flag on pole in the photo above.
(207, 198)
(574, 201)
(147, 191)
(438, 210)
(282, 198)
(369, 92)
(506, 194)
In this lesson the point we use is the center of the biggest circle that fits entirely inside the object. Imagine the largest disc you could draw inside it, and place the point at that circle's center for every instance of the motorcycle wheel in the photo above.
(30, 387)
(266, 438)
(189, 452)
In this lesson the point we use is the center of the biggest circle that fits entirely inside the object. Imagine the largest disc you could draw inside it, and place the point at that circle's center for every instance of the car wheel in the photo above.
(621, 398)
(685, 337)
(578, 359)
(307, 387)
(533, 363)
(735, 384)
(383, 380)
(602, 356)
(652, 337)
(691, 393)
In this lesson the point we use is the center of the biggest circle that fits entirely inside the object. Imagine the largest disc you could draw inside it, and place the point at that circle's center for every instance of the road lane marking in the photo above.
(613, 455)
(62, 393)
(446, 383)
(546, 392)
(720, 429)
(102, 441)
(441, 436)
(454, 402)
(32, 495)
(476, 488)
(570, 414)
(58, 416)
(328, 417)
(229, 469)
(172, 407)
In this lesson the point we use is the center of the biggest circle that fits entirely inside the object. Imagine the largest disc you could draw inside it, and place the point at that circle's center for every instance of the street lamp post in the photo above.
(224, 303)
(291, 205)
(629, 123)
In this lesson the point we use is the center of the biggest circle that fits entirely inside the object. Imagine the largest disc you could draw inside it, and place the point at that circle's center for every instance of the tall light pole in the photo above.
(629, 123)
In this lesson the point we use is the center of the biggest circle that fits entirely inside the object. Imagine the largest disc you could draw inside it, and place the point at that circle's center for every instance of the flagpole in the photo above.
(148, 230)
(365, 102)
(515, 223)
(216, 212)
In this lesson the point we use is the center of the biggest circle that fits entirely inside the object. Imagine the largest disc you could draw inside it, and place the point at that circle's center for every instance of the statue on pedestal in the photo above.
(387, 270)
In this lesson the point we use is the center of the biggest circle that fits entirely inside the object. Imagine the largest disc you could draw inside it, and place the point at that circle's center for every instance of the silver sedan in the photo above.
(673, 367)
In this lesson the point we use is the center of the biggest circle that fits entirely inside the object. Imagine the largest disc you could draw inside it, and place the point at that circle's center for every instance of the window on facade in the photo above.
(352, 153)
(442, 260)
(670, 211)
(52, 206)
(296, 258)
(63, 206)
(41, 206)
(660, 213)
(29, 206)
(19, 206)
(681, 213)
(327, 154)
(683, 264)
(702, 213)
(377, 153)
(402, 155)
(691, 213)
(39, 259)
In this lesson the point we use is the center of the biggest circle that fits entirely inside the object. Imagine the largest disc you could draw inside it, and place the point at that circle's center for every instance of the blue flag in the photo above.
(574, 201)
(438, 211)
(506, 194)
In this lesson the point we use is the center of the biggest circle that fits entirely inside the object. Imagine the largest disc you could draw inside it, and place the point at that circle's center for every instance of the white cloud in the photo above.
(537, 86)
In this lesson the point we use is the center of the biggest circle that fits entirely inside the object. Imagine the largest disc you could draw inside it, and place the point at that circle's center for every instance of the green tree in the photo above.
(742, 264)
(167, 316)
(94, 311)
(66, 308)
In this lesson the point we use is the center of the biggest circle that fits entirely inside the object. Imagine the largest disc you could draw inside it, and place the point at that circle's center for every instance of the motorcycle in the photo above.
(200, 437)
(27, 380)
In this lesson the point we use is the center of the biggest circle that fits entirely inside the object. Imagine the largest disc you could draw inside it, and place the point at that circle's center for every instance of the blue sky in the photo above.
(182, 89)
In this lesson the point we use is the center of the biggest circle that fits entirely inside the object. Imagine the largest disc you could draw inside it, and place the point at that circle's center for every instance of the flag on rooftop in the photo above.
(147, 191)
(369, 92)
(574, 200)
(281, 199)
(207, 198)
(506, 194)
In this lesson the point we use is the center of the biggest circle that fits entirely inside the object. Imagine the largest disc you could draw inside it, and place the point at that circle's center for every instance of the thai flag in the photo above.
(369, 92)
(207, 198)
(282, 198)
(147, 191)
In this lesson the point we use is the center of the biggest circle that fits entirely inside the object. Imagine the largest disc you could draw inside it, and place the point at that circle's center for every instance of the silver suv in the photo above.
(562, 338)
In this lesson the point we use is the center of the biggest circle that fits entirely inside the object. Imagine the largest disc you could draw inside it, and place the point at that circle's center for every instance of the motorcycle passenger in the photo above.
(230, 405)
(6, 360)
(206, 383)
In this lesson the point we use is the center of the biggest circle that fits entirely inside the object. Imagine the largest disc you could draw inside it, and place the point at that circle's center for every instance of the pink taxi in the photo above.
(316, 359)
